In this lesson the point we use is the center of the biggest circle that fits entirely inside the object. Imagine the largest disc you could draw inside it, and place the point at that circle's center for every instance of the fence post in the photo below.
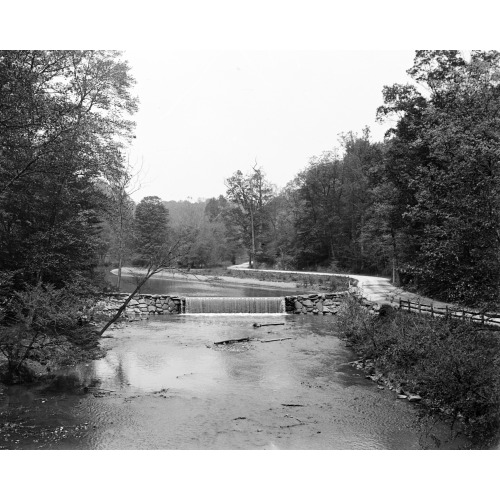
(463, 314)
(482, 318)
(419, 307)
(446, 314)
(432, 311)
(400, 306)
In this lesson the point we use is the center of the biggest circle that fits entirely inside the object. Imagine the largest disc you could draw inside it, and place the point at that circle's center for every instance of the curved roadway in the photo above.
(372, 288)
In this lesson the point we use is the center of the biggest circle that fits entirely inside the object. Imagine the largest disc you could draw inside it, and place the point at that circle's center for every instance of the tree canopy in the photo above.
(64, 117)
(443, 159)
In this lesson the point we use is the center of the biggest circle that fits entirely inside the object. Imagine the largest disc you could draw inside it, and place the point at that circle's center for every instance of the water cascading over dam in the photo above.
(235, 305)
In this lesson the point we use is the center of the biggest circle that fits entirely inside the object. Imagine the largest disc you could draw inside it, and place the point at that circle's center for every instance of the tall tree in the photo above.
(63, 123)
(150, 227)
(444, 161)
(249, 195)
(157, 249)
(329, 202)
(120, 217)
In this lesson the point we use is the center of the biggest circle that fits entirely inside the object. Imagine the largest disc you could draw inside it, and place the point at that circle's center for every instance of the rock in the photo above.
(402, 396)
(414, 398)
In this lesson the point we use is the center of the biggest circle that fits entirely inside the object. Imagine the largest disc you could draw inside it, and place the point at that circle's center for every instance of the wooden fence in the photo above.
(484, 318)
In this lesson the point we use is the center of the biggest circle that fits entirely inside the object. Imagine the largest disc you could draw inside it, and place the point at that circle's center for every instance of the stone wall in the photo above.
(145, 304)
(140, 305)
(314, 303)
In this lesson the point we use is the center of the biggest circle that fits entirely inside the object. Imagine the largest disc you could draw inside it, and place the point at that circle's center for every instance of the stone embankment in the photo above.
(141, 305)
(326, 303)
(314, 303)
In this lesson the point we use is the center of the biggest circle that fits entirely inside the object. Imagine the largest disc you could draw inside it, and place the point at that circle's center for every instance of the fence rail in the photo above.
(484, 318)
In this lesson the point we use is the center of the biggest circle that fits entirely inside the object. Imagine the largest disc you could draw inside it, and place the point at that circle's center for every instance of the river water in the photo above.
(198, 288)
(164, 384)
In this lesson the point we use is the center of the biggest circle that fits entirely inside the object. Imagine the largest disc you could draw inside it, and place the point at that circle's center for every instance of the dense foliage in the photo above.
(60, 125)
(63, 124)
(443, 160)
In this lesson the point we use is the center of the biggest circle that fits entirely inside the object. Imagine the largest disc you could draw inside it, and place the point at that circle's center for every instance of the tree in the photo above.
(64, 121)
(121, 216)
(443, 159)
(329, 203)
(157, 250)
(150, 227)
(62, 127)
(249, 195)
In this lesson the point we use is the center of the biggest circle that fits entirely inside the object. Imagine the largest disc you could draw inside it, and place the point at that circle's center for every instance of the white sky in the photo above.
(205, 114)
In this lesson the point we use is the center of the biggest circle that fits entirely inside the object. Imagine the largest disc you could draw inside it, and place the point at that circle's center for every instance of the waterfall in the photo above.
(235, 305)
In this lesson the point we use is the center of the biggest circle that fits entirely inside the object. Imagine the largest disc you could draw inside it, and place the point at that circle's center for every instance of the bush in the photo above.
(454, 366)
(43, 326)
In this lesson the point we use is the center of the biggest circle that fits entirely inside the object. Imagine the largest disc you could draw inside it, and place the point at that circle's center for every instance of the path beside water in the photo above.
(373, 288)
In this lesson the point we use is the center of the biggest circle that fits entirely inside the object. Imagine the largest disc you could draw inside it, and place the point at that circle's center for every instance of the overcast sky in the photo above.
(205, 114)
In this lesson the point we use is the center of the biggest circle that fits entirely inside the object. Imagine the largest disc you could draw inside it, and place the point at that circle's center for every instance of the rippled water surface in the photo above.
(165, 385)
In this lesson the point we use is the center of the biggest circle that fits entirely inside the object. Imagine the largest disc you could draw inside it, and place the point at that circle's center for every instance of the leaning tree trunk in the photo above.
(125, 304)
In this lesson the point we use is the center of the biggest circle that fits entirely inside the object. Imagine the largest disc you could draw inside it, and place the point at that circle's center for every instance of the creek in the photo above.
(164, 384)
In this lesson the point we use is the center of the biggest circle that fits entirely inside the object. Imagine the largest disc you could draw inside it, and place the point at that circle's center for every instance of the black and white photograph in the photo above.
(248, 247)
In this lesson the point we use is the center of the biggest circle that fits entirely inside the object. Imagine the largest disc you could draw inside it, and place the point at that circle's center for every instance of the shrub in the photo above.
(41, 320)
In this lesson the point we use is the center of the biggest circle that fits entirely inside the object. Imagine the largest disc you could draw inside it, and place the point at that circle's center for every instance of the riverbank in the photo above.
(48, 356)
(450, 368)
